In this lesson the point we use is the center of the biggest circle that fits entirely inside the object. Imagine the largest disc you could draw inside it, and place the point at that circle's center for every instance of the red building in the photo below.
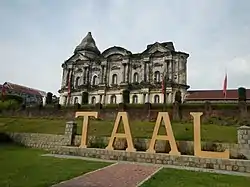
(30, 95)
(214, 95)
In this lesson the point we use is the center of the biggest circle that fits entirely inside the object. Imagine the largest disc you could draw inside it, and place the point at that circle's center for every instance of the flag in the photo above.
(163, 89)
(225, 86)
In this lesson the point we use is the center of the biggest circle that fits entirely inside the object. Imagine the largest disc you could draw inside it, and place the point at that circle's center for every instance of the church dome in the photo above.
(87, 44)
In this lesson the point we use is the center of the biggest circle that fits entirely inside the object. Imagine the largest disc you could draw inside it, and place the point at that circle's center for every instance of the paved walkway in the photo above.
(115, 175)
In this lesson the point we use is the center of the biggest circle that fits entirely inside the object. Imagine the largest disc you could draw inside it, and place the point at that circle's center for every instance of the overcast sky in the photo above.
(36, 36)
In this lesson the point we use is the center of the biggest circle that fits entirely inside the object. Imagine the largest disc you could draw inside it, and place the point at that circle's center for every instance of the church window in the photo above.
(93, 100)
(157, 76)
(77, 81)
(136, 77)
(114, 79)
(135, 99)
(75, 100)
(113, 99)
(156, 99)
(94, 80)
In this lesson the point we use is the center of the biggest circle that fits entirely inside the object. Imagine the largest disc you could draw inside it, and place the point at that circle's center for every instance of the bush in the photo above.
(8, 105)
(178, 96)
(7, 97)
(49, 98)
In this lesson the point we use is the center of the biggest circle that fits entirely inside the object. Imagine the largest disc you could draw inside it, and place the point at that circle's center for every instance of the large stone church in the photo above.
(102, 77)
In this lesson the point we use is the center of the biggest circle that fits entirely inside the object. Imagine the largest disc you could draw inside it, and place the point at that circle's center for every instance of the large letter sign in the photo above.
(197, 140)
(163, 116)
(86, 116)
(121, 116)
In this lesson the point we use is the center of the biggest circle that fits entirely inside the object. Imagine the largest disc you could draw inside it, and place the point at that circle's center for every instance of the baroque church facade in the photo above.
(94, 77)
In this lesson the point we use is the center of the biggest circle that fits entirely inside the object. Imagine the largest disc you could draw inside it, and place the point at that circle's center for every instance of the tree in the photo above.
(49, 98)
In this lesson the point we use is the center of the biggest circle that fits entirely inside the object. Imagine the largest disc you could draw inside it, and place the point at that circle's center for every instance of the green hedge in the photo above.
(9, 104)
(110, 106)
(161, 106)
(192, 105)
(225, 106)
(12, 97)
(242, 94)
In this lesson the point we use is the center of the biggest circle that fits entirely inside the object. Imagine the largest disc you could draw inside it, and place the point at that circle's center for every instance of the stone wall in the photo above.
(158, 158)
(69, 142)
(42, 141)
(227, 112)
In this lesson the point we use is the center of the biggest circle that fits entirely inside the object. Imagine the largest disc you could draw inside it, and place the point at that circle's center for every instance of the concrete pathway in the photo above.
(115, 175)
(158, 165)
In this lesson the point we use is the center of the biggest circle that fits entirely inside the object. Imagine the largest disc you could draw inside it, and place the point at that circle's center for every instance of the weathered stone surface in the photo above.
(159, 158)
(244, 141)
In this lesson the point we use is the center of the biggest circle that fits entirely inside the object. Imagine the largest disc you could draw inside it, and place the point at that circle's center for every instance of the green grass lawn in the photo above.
(209, 132)
(182, 178)
(20, 167)
(26, 167)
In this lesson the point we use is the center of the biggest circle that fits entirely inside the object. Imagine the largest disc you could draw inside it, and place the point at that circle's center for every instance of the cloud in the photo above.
(36, 36)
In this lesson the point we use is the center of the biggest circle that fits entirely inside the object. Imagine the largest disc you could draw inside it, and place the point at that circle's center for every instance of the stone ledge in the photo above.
(157, 158)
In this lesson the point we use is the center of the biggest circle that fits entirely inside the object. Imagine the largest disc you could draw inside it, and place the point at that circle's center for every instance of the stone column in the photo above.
(170, 71)
(84, 75)
(70, 132)
(244, 140)
(244, 135)
(124, 73)
(102, 78)
(88, 81)
(144, 72)
(64, 77)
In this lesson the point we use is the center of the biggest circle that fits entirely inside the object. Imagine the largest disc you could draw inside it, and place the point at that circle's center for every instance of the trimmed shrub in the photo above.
(178, 97)
(242, 94)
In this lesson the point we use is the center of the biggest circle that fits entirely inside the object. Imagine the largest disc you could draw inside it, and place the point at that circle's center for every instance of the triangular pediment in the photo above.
(77, 57)
(156, 47)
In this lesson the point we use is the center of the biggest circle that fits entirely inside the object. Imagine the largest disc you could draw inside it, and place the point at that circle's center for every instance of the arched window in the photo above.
(135, 99)
(113, 99)
(136, 77)
(157, 77)
(93, 100)
(156, 99)
(77, 81)
(75, 100)
(114, 79)
(94, 80)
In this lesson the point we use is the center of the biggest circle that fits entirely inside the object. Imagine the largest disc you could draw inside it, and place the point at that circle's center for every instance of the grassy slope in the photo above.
(209, 132)
(182, 178)
(26, 167)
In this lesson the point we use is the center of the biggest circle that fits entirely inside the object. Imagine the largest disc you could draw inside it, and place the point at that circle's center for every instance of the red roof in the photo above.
(20, 88)
(214, 94)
